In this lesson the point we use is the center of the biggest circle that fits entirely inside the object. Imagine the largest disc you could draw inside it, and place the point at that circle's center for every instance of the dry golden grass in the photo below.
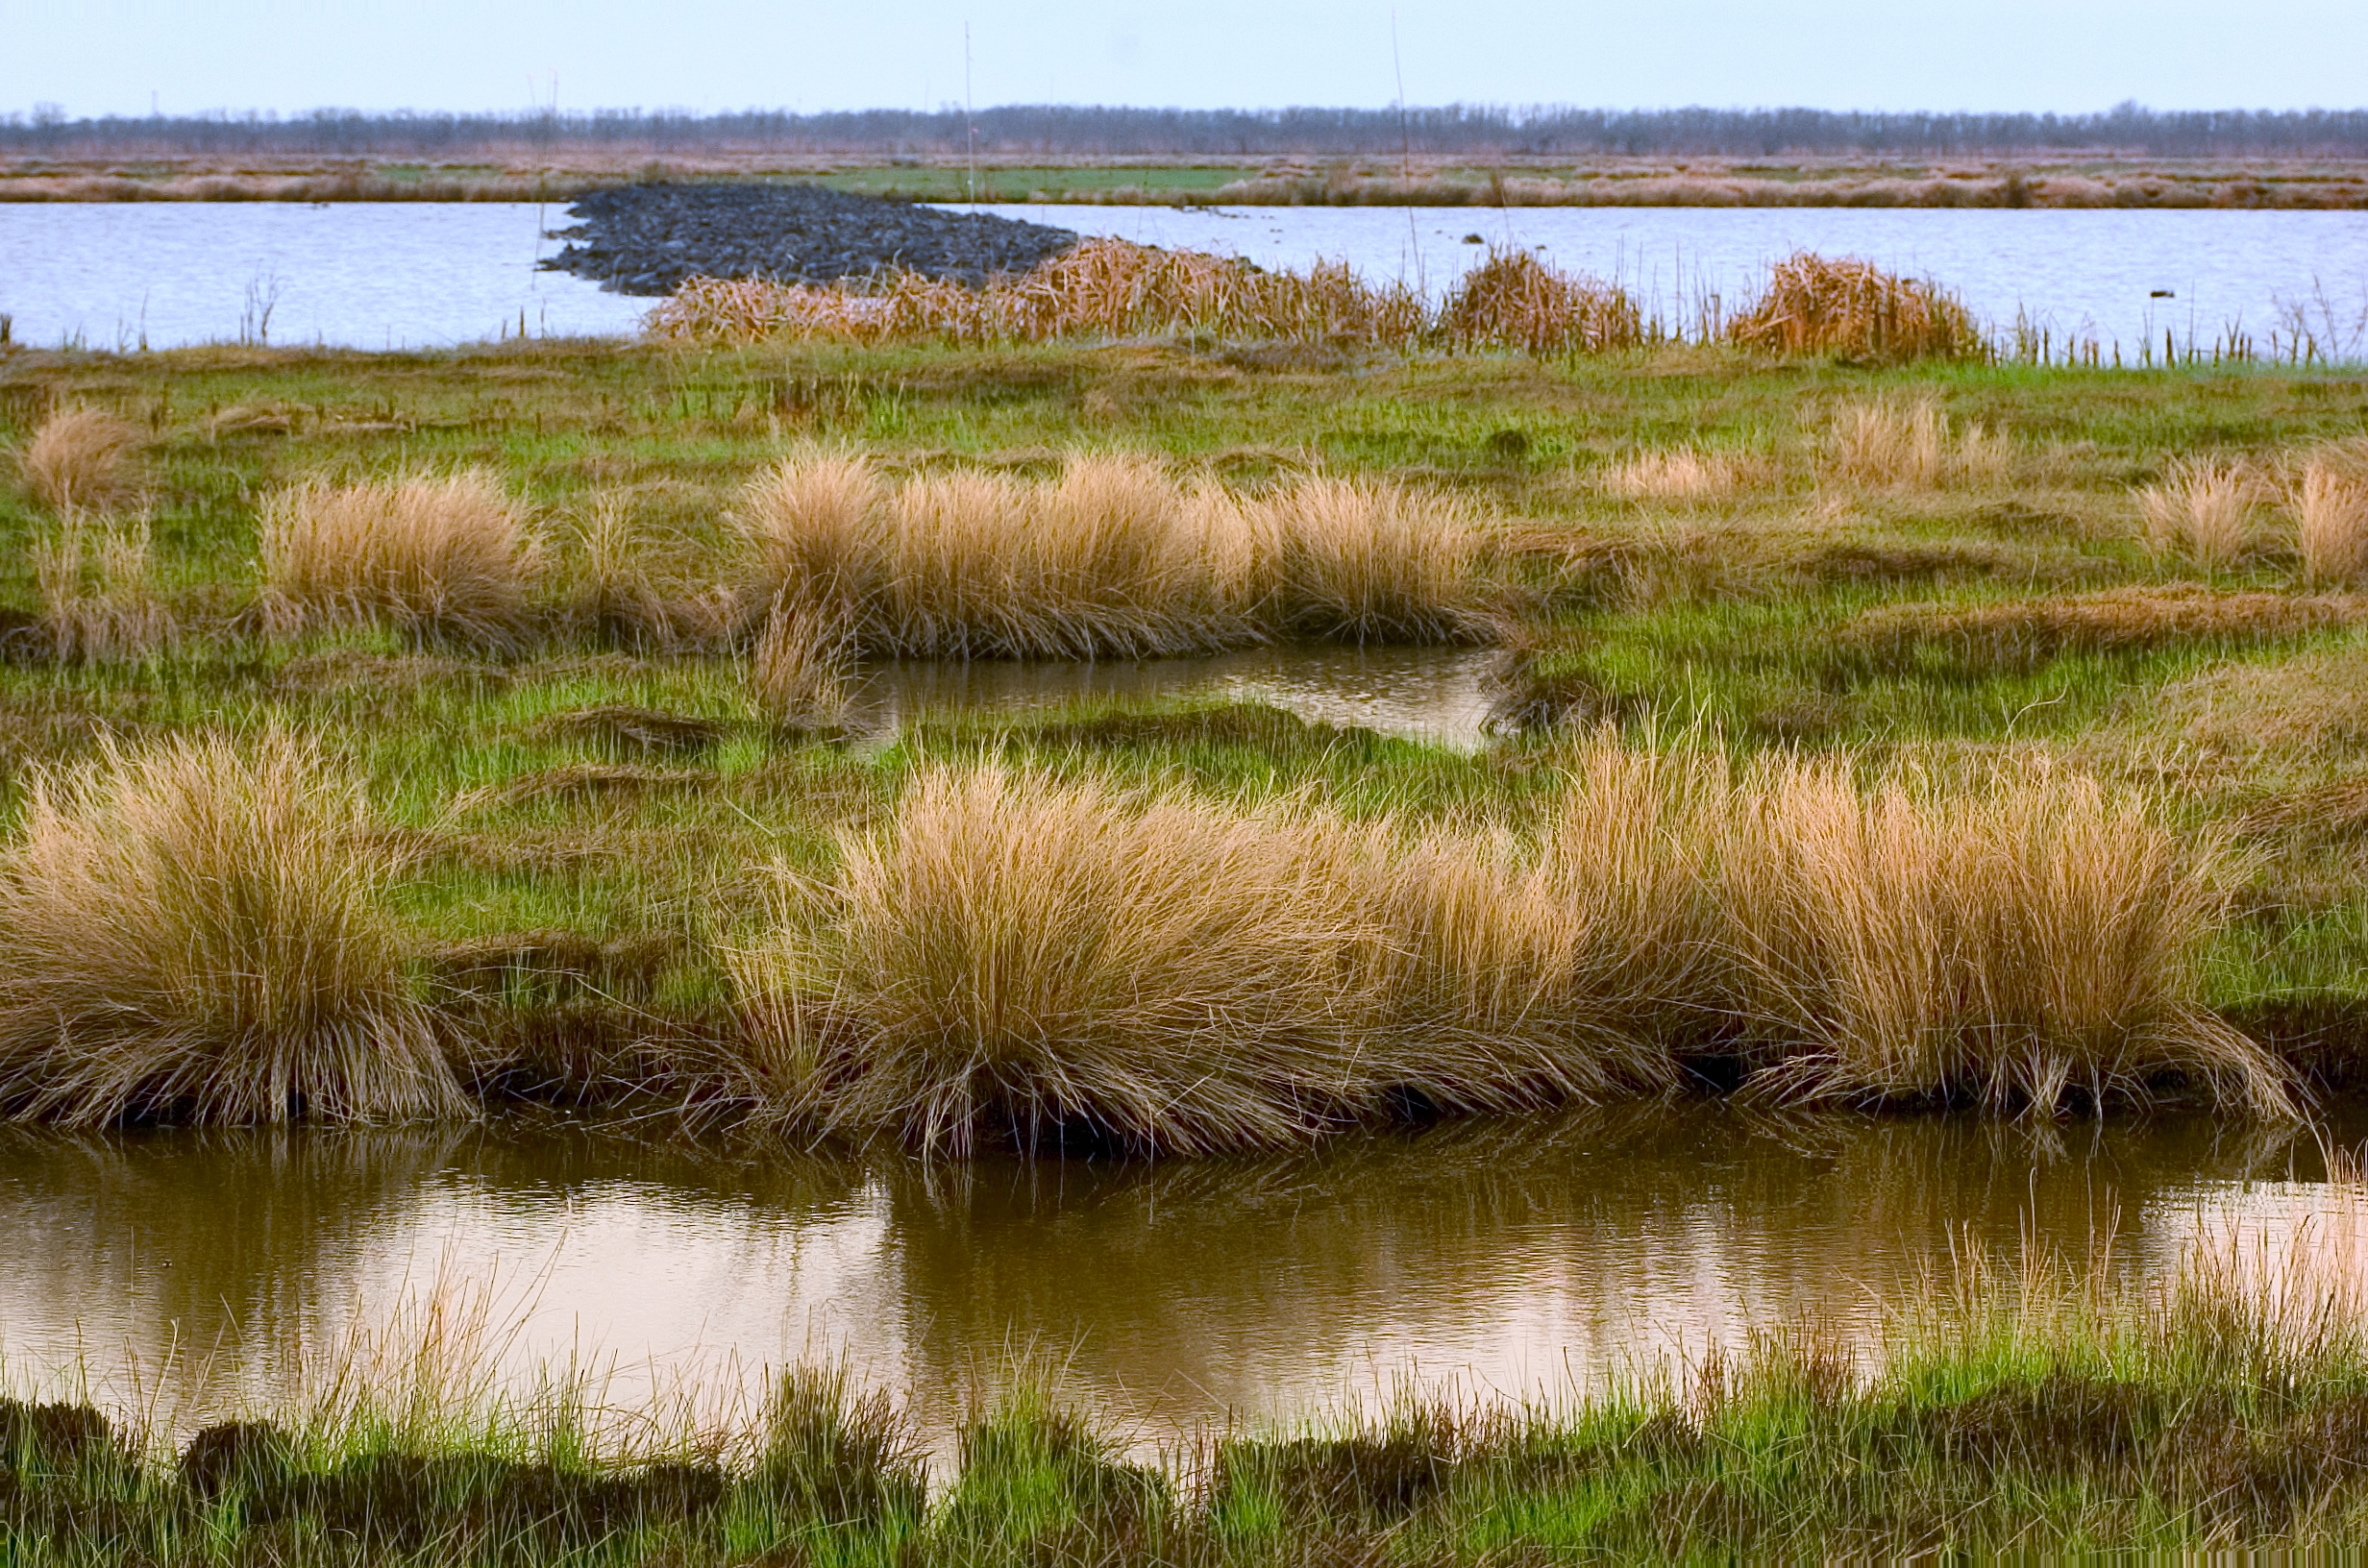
(450, 557)
(195, 931)
(2208, 512)
(2330, 511)
(1359, 561)
(99, 598)
(2019, 944)
(2020, 635)
(1114, 288)
(1114, 558)
(82, 459)
(1683, 473)
(800, 668)
(1017, 957)
(1818, 305)
(1891, 445)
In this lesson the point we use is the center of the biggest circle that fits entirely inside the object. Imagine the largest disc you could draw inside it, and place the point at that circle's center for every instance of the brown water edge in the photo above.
(183, 1276)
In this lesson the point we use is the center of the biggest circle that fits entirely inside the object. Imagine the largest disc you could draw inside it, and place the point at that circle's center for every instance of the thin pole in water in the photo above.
(1405, 153)
(970, 111)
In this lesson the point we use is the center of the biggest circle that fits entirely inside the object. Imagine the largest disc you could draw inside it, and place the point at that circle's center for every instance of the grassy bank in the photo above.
(2005, 1409)
(558, 172)
(1978, 733)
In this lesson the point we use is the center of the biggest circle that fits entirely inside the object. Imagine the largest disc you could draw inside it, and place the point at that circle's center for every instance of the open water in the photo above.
(387, 276)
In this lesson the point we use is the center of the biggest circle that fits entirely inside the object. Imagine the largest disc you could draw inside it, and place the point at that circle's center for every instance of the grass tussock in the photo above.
(194, 931)
(1683, 474)
(98, 589)
(1024, 959)
(2030, 942)
(1911, 446)
(2021, 634)
(1853, 310)
(2210, 512)
(800, 670)
(448, 557)
(1016, 958)
(82, 459)
(1114, 288)
(1114, 558)
(2330, 511)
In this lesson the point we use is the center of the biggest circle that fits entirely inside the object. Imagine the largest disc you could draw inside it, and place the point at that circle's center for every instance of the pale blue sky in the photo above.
(110, 56)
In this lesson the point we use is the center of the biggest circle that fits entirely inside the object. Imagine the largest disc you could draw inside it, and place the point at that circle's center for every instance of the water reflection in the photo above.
(1504, 1258)
(1440, 694)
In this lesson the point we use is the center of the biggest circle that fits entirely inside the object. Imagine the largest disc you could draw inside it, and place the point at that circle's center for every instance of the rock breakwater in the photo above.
(647, 239)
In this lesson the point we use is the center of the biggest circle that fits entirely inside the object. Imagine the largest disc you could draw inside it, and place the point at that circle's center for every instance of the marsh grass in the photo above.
(2030, 942)
(618, 589)
(99, 596)
(1689, 474)
(1817, 305)
(2210, 512)
(1017, 958)
(1514, 300)
(1114, 288)
(1909, 446)
(800, 667)
(1112, 559)
(1972, 641)
(2331, 509)
(450, 557)
(194, 930)
(82, 459)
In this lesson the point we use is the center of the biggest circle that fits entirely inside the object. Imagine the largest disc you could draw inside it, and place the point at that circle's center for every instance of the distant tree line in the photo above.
(1457, 129)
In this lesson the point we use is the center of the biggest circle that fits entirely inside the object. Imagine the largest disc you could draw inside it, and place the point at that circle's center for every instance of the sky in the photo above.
(97, 57)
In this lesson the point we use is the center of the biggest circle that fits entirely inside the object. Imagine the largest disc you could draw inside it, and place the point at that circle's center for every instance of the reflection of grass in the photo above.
(1935, 573)
(2004, 1408)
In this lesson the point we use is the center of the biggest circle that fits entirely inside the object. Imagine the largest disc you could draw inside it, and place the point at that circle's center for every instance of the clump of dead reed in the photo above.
(451, 558)
(1911, 446)
(2210, 512)
(1514, 300)
(1114, 288)
(1817, 305)
(2331, 511)
(194, 931)
(82, 459)
(98, 589)
(1113, 558)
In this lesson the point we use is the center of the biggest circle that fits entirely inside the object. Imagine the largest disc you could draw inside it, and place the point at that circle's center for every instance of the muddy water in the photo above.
(182, 1272)
(1439, 695)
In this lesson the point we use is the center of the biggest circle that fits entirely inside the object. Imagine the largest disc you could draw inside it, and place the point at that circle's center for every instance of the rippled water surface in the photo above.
(420, 275)
(1515, 1260)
